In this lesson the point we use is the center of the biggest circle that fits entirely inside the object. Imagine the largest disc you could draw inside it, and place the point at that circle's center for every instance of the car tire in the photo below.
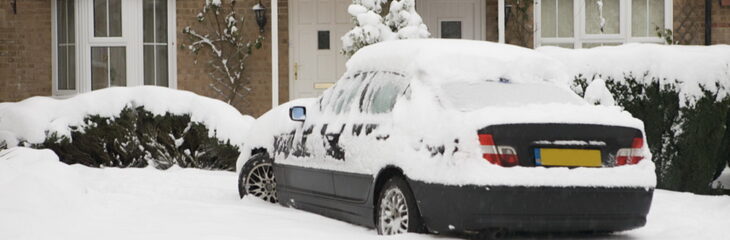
(393, 199)
(257, 178)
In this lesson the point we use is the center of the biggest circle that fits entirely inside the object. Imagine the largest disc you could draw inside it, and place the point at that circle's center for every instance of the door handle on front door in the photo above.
(296, 71)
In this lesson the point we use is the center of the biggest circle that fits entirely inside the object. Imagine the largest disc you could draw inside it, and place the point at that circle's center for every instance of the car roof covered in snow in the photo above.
(443, 60)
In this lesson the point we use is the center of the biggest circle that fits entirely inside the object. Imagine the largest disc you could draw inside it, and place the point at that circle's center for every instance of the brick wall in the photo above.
(25, 50)
(720, 23)
(193, 76)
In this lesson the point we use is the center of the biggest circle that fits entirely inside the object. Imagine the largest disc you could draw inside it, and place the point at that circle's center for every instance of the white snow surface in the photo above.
(32, 118)
(43, 198)
(460, 60)
(692, 65)
(597, 93)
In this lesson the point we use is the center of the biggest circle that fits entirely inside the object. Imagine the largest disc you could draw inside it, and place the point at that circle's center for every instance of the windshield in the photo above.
(467, 96)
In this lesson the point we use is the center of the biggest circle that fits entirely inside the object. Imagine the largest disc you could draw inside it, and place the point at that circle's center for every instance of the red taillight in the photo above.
(505, 156)
(631, 155)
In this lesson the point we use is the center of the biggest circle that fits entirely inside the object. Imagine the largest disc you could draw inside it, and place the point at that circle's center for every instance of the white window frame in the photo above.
(580, 37)
(132, 39)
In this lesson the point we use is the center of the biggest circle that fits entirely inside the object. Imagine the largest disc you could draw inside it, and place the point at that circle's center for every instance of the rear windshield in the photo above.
(467, 96)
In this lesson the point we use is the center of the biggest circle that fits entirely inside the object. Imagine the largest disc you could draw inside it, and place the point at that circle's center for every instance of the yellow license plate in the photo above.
(568, 157)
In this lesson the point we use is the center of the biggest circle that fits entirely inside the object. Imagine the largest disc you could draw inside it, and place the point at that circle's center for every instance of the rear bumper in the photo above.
(545, 209)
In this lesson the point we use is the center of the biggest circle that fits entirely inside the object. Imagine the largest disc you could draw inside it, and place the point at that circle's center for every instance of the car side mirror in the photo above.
(298, 113)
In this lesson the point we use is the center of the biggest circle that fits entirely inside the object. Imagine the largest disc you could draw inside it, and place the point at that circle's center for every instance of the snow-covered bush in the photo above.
(402, 22)
(681, 94)
(129, 127)
(219, 35)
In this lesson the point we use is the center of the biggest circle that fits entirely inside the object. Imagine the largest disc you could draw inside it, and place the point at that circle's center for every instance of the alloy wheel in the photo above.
(261, 182)
(393, 213)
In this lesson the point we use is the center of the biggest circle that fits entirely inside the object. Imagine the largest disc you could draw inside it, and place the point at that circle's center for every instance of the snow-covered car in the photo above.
(453, 136)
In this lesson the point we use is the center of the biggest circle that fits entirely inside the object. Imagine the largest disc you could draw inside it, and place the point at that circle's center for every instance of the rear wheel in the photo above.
(396, 210)
(257, 179)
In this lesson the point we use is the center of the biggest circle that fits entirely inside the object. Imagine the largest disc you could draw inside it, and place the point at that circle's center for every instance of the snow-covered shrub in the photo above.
(129, 127)
(138, 138)
(688, 136)
(402, 22)
(219, 36)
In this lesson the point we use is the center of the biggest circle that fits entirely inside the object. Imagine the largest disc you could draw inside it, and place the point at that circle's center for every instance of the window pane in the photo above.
(115, 18)
(70, 21)
(71, 68)
(108, 67)
(65, 50)
(548, 18)
(161, 21)
(161, 55)
(61, 21)
(565, 18)
(562, 45)
(611, 14)
(99, 67)
(100, 18)
(592, 45)
(148, 21)
(656, 15)
(62, 73)
(149, 65)
(118, 66)
(638, 18)
(323, 40)
(451, 29)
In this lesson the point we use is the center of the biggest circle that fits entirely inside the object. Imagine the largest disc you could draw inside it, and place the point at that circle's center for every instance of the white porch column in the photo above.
(500, 17)
(275, 53)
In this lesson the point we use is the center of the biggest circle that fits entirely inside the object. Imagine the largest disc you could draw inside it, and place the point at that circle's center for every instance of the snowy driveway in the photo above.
(45, 199)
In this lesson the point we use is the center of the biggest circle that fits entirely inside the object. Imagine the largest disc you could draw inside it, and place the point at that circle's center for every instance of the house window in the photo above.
(66, 46)
(106, 43)
(592, 23)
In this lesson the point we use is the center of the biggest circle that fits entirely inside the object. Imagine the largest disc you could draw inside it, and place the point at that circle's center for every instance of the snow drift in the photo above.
(691, 65)
(31, 120)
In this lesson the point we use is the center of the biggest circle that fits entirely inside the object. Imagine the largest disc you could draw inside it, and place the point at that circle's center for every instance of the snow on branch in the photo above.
(219, 37)
(402, 22)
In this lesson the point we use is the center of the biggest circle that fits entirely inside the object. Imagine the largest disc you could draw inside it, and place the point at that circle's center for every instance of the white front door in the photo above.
(462, 19)
(315, 62)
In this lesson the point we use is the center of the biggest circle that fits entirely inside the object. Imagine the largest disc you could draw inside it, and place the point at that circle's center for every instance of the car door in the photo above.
(369, 129)
(315, 148)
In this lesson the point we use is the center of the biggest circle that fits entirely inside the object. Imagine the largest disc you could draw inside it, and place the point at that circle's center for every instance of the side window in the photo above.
(340, 98)
(383, 91)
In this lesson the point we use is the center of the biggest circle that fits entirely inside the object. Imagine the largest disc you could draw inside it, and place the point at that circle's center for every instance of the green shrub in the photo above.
(689, 142)
(138, 138)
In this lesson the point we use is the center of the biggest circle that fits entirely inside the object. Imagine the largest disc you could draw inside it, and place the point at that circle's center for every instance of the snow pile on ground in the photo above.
(42, 198)
(691, 65)
(33, 118)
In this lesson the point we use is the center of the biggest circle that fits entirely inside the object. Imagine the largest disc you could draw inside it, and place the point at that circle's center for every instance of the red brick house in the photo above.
(64, 47)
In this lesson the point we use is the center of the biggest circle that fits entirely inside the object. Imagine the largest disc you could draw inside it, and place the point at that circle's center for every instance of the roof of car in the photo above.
(459, 60)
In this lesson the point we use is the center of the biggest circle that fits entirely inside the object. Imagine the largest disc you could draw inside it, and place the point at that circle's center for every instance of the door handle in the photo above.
(296, 71)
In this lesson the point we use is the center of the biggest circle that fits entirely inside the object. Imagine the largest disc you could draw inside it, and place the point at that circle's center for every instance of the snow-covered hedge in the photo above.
(129, 127)
(681, 94)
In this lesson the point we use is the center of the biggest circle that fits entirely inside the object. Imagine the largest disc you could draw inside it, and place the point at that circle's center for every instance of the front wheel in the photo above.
(257, 179)
(396, 210)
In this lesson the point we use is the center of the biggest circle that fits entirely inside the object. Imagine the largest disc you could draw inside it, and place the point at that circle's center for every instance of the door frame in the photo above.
(480, 12)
